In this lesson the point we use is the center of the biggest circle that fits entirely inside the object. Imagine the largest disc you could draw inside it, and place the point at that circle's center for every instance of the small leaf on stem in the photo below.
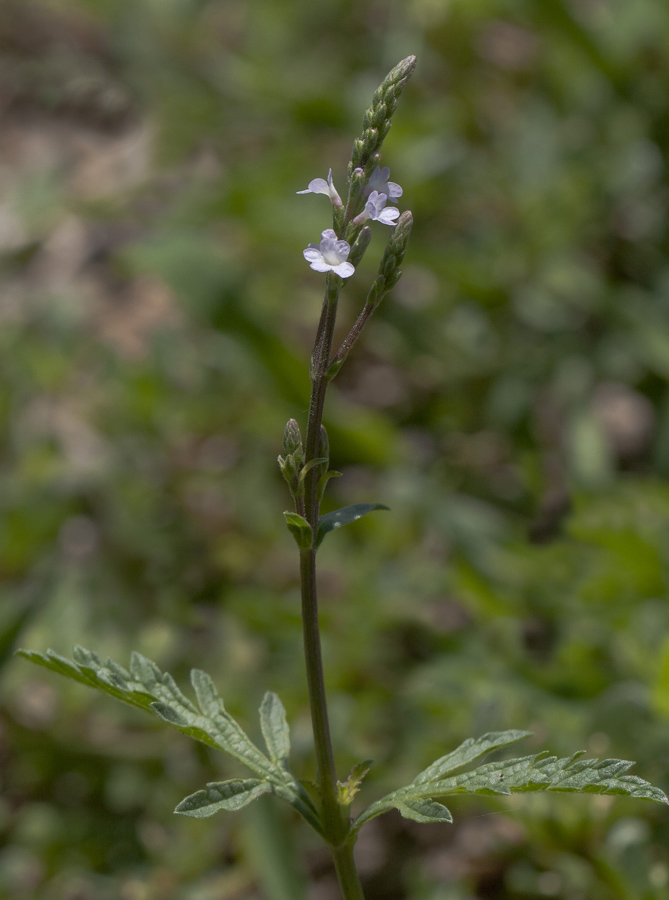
(347, 790)
(300, 529)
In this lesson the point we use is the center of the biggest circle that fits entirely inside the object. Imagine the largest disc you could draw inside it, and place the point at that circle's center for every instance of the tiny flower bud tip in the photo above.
(292, 438)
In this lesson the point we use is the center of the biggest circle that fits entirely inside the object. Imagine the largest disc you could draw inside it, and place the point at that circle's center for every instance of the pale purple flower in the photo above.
(321, 186)
(330, 255)
(378, 181)
(374, 209)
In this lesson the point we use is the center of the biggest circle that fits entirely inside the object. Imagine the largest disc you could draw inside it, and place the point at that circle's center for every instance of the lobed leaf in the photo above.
(145, 686)
(539, 772)
(223, 795)
(548, 773)
(344, 516)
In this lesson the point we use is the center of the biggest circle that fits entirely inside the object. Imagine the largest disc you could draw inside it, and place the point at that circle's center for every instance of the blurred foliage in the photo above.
(509, 403)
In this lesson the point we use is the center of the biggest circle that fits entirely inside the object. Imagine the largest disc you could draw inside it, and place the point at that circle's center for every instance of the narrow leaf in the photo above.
(131, 692)
(424, 811)
(344, 516)
(304, 471)
(206, 693)
(275, 728)
(223, 795)
(469, 751)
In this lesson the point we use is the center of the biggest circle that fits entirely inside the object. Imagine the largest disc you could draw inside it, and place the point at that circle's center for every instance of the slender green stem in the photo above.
(347, 872)
(320, 360)
(327, 779)
(354, 333)
(335, 822)
(332, 820)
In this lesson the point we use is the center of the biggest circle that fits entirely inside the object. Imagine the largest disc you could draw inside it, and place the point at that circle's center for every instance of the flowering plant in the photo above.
(326, 803)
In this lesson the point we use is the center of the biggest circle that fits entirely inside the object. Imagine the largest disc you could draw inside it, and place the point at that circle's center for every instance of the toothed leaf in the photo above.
(145, 686)
(540, 772)
(223, 795)
(424, 811)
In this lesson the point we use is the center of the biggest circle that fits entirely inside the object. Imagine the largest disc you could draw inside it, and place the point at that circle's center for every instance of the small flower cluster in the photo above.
(331, 254)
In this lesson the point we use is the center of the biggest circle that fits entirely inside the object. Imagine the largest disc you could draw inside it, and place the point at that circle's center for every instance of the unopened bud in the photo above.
(292, 438)
(376, 121)
(360, 246)
(396, 248)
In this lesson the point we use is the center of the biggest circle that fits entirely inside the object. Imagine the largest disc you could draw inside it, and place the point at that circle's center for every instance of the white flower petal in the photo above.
(378, 182)
(328, 234)
(343, 248)
(388, 216)
(317, 186)
(344, 270)
(313, 251)
(394, 191)
(319, 265)
(332, 190)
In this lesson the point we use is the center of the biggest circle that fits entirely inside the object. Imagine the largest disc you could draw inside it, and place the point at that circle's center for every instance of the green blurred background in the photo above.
(509, 403)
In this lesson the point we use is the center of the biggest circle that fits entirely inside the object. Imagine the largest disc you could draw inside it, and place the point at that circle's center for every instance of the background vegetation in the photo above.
(510, 404)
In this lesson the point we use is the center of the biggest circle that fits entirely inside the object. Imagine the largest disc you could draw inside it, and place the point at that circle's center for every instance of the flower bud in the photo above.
(290, 472)
(377, 119)
(292, 438)
(396, 247)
